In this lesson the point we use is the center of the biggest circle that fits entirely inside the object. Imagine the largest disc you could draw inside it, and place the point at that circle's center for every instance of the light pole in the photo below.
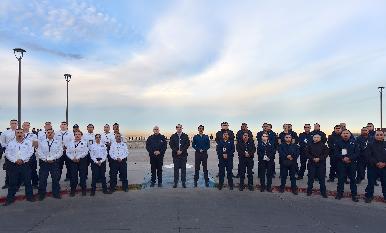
(67, 77)
(380, 96)
(19, 53)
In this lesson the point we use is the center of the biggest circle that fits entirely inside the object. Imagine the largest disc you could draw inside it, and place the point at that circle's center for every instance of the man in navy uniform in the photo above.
(49, 153)
(317, 152)
(305, 138)
(266, 152)
(179, 143)
(363, 141)
(376, 157)
(319, 132)
(331, 142)
(201, 144)
(239, 138)
(224, 128)
(156, 146)
(346, 154)
(288, 154)
(246, 150)
(18, 153)
(225, 150)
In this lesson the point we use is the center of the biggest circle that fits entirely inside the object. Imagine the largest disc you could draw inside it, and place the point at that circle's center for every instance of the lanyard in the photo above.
(26, 136)
(49, 145)
(77, 144)
(64, 134)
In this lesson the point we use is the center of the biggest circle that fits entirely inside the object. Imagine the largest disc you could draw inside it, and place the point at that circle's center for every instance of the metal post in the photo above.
(380, 96)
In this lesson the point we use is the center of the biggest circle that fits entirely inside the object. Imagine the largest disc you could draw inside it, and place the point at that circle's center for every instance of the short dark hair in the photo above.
(201, 126)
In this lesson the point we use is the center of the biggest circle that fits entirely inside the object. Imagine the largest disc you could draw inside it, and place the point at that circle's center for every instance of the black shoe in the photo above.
(106, 191)
(72, 194)
(299, 178)
(206, 184)
(30, 199)
(230, 187)
(92, 193)
(195, 184)
(269, 189)
(281, 189)
(331, 180)
(112, 190)
(262, 189)
(251, 188)
(354, 198)
(241, 187)
(7, 203)
(4, 187)
(219, 186)
(309, 193)
(175, 186)
(159, 185)
(41, 197)
(84, 193)
(151, 184)
(67, 179)
(338, 196)
(294, 191)
(57, 196)
(125, 190)
(184, 185)
(237, 176)
(368, 199)
(324, 195)
(346, 182)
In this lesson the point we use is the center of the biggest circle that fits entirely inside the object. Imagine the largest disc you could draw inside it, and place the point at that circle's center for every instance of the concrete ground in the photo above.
(198, 210)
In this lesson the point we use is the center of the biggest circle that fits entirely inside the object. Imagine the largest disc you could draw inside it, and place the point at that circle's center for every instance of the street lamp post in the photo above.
(67, 77)
(380, 96)
(19, 53)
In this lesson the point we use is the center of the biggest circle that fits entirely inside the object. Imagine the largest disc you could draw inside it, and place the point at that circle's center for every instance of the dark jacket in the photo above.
(266, 149)
(376, 152)
(240, 133)
(179, 143)
(201, 142)
(363, 143)
(332, 141)
(322, 135)
(351, 147)
(248, 146)
(219, 136)
(227, 147)
(317, 150)
(288, 149)
(304, 140)
(156, 143)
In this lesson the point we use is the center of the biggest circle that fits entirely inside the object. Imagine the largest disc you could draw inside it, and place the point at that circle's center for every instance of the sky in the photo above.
(146, 63)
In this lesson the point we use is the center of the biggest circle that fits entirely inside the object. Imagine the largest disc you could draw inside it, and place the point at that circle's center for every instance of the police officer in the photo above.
(246, 150)
(317, 153)
(288, 154)
(305, 138)
(18, 153)
(107, 139)
(119, 153)
(5, 138)
(287, 130)
(156, 146)
(201, 144)
(89, 137)
(42, 134)
(376, 156)
(363, 141)
(49, 153)
(98, 154)
(224, 128)
(32, 162)
(266, 152)
(331, 142)
(318, 131)
(239, 138)
(346, 154)
(225, 149)
(64, 137)
(77, 151)
(370, 127)
(179, 143)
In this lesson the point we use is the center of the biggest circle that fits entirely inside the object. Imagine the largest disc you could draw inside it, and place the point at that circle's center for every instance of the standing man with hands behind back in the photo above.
(156, 146)
(179, 143)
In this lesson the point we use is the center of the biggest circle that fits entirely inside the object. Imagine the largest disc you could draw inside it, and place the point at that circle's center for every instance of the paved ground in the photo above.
(198, 210)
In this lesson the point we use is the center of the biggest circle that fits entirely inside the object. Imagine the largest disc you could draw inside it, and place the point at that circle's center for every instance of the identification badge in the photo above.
(344, 151)
(224, 149)
(18, 155)
(266, 158)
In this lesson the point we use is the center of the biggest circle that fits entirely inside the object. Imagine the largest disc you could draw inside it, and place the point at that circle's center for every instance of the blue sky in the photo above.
(142, 63)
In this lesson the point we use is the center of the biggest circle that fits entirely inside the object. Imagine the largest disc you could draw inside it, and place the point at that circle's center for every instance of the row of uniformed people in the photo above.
(51, 150)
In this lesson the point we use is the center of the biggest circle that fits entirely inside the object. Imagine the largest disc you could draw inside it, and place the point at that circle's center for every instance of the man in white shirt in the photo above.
(107, 139)
(42, 134)
(5, 138)
(98, 153)
(64, 136)
(18, 153)
(119, 153)
(89, 137)
(32, 162)
(49, 152)
(77, 151)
